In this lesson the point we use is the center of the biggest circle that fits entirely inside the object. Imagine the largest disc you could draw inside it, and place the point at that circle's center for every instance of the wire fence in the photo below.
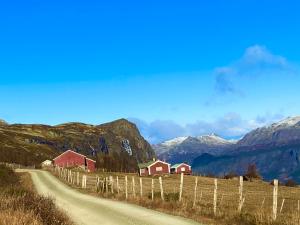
(218, 196)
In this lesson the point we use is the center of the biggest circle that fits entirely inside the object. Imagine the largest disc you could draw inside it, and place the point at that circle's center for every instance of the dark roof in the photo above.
(145, 165)
(178, 164)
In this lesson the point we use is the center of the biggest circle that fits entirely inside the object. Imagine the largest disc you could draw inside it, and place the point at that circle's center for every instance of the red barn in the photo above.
(154, 168)
(181, 168)
(71, 158)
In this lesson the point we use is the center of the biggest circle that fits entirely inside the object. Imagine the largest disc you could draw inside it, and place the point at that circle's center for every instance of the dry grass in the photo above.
(19, 204)
(257, 208)
(17, 217)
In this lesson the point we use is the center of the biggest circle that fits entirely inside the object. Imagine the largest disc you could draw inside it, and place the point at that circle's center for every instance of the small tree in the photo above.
(291, 183)
(252, 172)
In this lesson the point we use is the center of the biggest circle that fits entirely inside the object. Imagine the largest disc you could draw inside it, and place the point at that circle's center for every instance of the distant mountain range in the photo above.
(117, 145)
(186, 149)
(274, 149)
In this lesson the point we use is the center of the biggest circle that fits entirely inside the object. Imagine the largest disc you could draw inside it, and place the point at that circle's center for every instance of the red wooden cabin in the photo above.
(71, 158)
(154, 168)
(181, 168)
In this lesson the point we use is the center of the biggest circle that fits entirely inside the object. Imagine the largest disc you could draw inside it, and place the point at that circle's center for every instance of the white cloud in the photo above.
(258, 54)
(257, 60)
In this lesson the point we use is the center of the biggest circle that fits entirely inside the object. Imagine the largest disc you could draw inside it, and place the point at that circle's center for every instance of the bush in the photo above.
(291, 183)
(230, 175)
(7, 176)
(252, 172)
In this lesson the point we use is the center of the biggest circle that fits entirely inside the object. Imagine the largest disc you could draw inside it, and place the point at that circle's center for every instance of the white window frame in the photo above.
(159, 169)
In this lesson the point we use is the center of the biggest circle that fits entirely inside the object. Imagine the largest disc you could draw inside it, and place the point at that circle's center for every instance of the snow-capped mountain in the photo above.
(187, 148)
(284, 132)
(167, 145)
(214, 139)
(274, 149)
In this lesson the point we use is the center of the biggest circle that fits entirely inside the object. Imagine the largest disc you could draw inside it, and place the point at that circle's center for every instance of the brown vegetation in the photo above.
(19, 204)
(32, 144)
(256, 210)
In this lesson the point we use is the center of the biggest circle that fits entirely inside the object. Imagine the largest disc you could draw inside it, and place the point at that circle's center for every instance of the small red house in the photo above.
(154, 168)
(71, 158)
(181, 168)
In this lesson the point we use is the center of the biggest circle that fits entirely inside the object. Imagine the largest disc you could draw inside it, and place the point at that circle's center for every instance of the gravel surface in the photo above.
(88, 210)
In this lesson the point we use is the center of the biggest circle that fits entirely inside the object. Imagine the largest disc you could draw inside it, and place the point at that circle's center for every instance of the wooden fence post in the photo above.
(133, 187)
(181, 187)
(103, 185)
(275, 198)
(126, 187)
(200, 196)
(118, 188)
(97, 184)
(161, 189)
(282, 203)
(82, 183)
(195, 191)
(111, 184)
(141, 187)
(106, 184)
(85, 181)
(78, 182)
(215, 197)
(152, 189)
(240, 194)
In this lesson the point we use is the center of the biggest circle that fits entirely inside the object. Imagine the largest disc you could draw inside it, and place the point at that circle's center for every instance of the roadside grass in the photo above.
(19, 204)
(257, 208)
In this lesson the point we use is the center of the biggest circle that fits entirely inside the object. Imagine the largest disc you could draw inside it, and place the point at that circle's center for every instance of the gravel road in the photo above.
(84, 209)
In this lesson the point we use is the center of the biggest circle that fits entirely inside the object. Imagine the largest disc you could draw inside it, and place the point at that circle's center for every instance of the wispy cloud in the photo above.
(231, 125)
(257, 60)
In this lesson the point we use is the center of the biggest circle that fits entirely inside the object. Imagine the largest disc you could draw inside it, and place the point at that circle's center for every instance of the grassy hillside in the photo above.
(32, 144)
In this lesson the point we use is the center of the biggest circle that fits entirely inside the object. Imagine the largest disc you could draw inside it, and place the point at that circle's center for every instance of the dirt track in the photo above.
(88, 210)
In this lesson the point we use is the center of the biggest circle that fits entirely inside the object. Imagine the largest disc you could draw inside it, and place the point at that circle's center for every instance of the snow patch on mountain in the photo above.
(214, 140)
(288, 122)
(175, 141)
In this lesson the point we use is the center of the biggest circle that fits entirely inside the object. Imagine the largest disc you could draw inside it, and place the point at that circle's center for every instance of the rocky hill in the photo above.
(186, 149)
(115, 145)
(274, 149)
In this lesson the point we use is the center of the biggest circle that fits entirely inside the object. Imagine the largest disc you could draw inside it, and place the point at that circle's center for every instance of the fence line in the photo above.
(216, 195)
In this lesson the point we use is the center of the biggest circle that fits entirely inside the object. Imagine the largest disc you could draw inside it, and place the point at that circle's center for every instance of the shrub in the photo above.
(252, 172)
(230, 175)
(7, 176)
(291, 183)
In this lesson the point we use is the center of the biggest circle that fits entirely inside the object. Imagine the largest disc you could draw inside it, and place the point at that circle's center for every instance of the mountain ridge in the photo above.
(186, 148)
(274, 149)
(117, 142)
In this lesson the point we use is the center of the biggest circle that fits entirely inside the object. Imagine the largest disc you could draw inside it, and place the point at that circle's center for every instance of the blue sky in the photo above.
(173, 67)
